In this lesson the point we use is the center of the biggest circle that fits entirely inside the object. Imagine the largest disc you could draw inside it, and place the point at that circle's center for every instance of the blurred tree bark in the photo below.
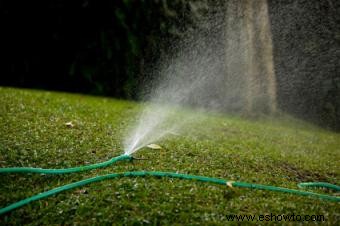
(251, 82)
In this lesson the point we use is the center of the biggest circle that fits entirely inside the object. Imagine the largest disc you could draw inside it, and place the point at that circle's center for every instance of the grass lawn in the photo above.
(279, 152)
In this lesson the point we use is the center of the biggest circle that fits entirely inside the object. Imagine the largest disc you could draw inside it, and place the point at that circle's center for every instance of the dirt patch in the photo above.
(300, 175)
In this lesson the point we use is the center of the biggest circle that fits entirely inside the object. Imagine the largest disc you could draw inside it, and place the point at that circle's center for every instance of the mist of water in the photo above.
(226, 64)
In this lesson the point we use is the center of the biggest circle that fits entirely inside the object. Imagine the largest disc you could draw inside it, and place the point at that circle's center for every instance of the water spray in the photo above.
(158, 174)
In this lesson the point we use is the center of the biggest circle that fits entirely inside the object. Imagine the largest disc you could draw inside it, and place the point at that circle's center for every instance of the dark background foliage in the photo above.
(103, 47)
(96, 47)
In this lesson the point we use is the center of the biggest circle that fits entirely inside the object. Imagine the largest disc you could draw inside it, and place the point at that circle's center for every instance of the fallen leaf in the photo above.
(154, 146)
(69, 124)
(82, 191)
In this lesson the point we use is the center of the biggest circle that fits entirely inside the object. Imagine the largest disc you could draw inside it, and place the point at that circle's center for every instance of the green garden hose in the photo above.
(67, 170)
(155, 174)
(319, 185)
(162, 174)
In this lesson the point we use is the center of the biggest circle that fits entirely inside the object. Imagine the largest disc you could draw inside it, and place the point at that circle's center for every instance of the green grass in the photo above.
(280, 152)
